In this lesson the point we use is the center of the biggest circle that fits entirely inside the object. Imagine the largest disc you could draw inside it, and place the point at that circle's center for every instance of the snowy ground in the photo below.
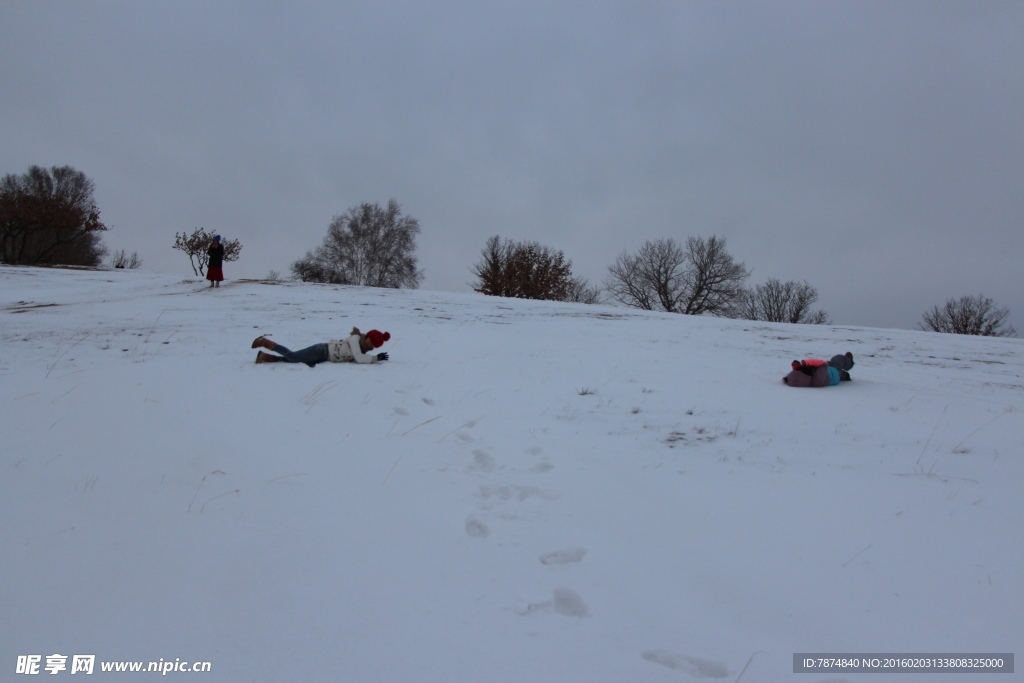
(526, 491)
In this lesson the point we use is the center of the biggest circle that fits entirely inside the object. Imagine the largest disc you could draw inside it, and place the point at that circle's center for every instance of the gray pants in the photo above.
(842, 364)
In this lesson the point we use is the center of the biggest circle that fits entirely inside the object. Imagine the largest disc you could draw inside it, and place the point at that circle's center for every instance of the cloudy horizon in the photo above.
(874, 149)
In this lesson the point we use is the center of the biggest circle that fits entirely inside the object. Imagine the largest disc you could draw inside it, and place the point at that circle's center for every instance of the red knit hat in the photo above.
(377, 338)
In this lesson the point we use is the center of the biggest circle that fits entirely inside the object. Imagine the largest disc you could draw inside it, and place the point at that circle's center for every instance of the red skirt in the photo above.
(215, 274)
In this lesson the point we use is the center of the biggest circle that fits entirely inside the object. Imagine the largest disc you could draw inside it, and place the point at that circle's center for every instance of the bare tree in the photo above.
(310, 269)
(714, 280)
(582, 292)
(367, 245)
(120, 259)
(977, 315)
(780, 302)
(627, 282)
(49, 216)
(662, 275)
(651, 279)
(529, 270)
(196, 244)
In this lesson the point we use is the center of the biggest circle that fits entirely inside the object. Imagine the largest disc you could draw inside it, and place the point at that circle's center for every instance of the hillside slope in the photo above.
(526, 491)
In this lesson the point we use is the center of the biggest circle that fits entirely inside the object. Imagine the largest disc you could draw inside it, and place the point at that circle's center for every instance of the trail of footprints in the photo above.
(563, 601)
(493, 496)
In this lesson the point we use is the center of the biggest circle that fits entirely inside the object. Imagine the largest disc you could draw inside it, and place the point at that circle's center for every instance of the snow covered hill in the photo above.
(526, 491)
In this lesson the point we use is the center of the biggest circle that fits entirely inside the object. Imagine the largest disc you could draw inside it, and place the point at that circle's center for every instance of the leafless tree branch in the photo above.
(977, 315)
(701, 277)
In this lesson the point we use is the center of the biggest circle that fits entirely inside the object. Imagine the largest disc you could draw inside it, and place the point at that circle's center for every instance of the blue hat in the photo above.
(216, 238)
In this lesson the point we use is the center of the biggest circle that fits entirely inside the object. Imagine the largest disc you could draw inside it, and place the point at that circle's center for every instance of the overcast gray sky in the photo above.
(875, 149)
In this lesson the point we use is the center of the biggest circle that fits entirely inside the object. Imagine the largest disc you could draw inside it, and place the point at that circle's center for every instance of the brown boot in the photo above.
(263, 342)
(267, 358)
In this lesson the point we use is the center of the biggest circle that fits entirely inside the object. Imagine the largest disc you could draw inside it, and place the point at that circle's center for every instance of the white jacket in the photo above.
(348, 351)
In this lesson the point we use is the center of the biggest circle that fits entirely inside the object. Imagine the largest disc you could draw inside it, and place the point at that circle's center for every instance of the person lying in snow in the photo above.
(354, 349)
(814, 372)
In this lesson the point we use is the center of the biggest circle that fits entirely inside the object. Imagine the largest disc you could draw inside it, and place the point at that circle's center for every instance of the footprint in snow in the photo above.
(566, 556)
(563, 601)
(476, 528)
(401, 411)
(483, 461)
(695, 666)
(569, 603)
(519, 493)
(540, 468)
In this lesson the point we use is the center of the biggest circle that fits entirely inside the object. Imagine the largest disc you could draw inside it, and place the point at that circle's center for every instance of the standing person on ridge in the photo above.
(355, 349)
(214, 270)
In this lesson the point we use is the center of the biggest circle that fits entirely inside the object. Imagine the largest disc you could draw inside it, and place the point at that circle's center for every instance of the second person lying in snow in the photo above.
(354, 349)
(814, 372)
